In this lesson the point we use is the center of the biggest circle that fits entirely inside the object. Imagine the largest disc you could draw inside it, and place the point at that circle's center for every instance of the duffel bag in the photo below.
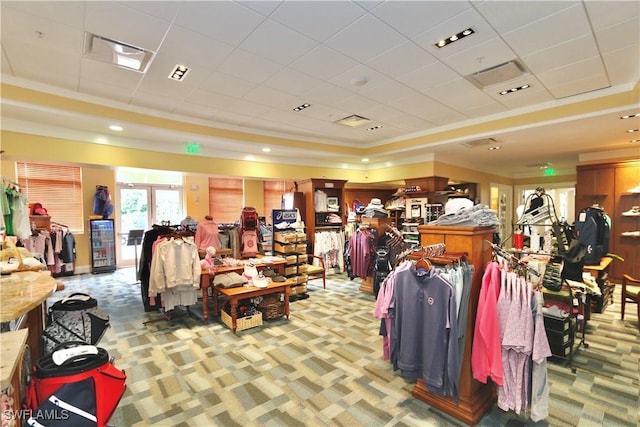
(75, 318)
(77, 385)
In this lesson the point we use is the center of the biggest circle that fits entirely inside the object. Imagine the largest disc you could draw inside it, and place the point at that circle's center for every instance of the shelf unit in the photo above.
(291, 244)
(317, 220)
(608, 185)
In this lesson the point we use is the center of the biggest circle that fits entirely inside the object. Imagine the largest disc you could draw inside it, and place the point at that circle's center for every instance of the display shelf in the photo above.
(317, 219)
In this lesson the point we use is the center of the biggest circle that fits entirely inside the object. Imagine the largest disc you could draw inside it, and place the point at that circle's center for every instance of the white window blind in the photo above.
(57, 188)
(225, 199)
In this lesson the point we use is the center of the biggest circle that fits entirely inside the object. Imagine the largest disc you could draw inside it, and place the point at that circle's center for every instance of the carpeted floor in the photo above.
(323, 367)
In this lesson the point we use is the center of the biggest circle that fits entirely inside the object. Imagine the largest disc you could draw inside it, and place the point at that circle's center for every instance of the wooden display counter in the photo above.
(245, 292)
(207, 275)
(12, 345)
(23, 297)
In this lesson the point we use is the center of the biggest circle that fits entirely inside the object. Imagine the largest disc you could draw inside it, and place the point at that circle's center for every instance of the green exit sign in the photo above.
(193, 148)
(549, 172)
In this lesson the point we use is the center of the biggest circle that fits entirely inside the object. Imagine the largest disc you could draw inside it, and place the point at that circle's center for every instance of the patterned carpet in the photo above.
(323, 367)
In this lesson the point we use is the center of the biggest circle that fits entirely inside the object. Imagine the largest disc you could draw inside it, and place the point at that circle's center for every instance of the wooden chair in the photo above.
(631, 294)
(316, 271)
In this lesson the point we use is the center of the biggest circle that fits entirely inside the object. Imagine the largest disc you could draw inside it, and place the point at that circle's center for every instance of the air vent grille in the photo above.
(480, 142)
(353, 121)
(497, 74)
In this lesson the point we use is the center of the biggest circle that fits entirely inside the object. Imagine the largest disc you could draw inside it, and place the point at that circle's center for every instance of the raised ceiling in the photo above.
(252, 62)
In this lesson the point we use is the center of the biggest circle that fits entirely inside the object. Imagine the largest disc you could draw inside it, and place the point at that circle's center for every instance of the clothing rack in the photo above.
(512, 259)
(9, 181)
(59, 224)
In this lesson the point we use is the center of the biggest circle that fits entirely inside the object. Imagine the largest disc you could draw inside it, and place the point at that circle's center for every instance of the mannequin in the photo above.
(207, 261)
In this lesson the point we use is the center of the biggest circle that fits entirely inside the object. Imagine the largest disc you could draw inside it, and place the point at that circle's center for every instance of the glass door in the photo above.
(141, 206)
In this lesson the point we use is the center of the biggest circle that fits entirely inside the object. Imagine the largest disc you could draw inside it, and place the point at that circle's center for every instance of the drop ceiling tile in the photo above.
(485, 110)
(92, 72)
(412, 17)
(507, 16)
(321, 113)
(277, 43)
(429, 76)
(604, 14)
(561, 54)
(5, 67)
(323, 63)
(227, 84)
(592, 72)
(273, 98)
(460, 95)
(364, 39)
(247, 108)
(567, 24)
(626, 33)
(209, 99)
(182, 46)
(314, 19)
(263, 7)
(250, 67)
(106, 90)
(70, 13)
(623, 65)
(36, 32)
(165, 10)
(387, 91)
(346, 80)
(326, 93)
(226, 21)
(480, 56)
(43, 65)
(292, 82)
(402, 59)
(125, 25)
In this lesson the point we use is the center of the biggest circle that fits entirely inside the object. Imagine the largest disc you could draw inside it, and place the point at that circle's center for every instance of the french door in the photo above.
(141, 206)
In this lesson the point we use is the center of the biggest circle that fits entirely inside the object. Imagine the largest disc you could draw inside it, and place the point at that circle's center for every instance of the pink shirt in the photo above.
(486, 352)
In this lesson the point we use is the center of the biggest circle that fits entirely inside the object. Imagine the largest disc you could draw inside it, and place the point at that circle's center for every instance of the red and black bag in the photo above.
(83, 390)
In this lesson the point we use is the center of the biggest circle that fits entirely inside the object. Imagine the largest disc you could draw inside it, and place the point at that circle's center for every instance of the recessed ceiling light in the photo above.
(117, 128)
(634, 140)
(266, 150)
(515, 89)
(302, 107)
(462, 34)
(495, 147)
(632, 130)
(365, 160)
(630, 116)
(375, 127)
(359, 81)
(179, 72)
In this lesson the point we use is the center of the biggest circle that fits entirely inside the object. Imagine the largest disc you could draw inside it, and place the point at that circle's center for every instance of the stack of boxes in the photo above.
(292, 246)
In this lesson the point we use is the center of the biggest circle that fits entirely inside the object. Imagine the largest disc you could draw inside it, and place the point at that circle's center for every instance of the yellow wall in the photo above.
(254, 195)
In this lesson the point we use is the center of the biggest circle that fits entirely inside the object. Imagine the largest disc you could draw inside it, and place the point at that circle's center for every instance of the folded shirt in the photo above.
(229, 280)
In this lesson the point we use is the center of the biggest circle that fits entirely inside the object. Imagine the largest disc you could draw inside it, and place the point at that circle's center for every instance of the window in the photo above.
(57, 188)
(273, 191)
(225, 199)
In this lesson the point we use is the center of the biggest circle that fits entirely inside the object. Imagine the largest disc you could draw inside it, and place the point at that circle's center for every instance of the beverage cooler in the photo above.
(103, 245)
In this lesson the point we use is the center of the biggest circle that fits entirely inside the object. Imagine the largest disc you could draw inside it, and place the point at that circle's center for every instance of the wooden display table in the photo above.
(206, 275)
(601, 272)
(245, 292)
(23, 297)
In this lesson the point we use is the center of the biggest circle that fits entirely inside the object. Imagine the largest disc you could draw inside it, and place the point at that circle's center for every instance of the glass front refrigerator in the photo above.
(103, 245)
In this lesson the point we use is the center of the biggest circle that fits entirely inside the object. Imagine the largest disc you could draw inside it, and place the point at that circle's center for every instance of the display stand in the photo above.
(134, 239)
(380, 225)
(475, 398)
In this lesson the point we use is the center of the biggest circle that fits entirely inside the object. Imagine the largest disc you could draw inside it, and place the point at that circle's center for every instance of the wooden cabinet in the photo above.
(609, 185)
(319, 219)
(476, 398)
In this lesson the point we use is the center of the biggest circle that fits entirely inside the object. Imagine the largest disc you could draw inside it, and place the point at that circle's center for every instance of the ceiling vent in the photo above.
(117, 53)
(353, 121)
(497, 74)
(480, 142)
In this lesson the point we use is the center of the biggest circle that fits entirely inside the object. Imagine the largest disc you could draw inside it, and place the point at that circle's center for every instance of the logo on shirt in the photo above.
(430, 300)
